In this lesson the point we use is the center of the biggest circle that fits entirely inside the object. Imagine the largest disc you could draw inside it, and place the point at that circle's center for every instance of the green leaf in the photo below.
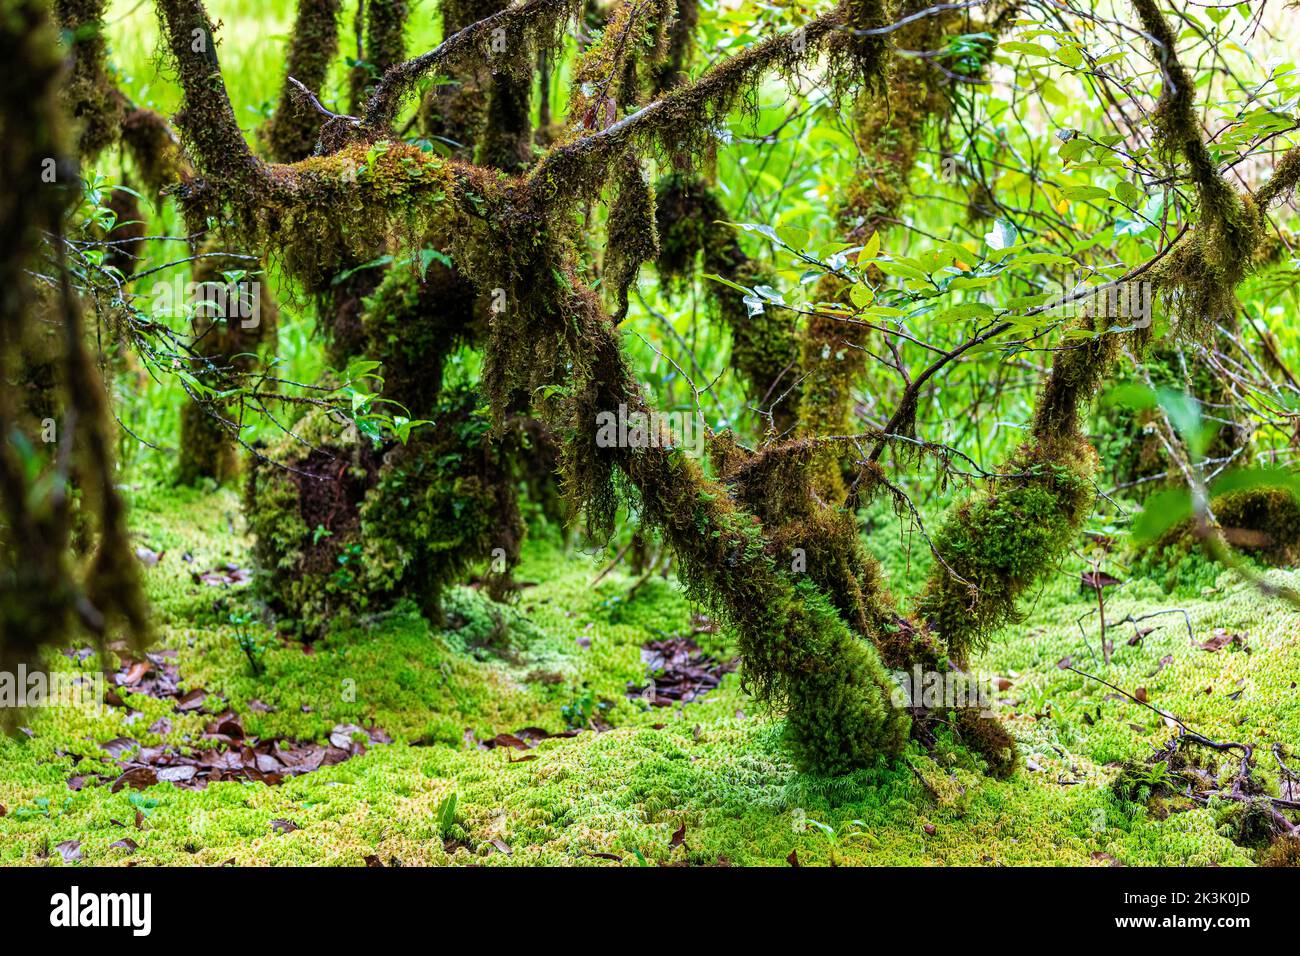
(1001, 236)
(428, 256)
(1130, 395)
(870, 250)
(727, 282)
(1030, 49)
(1184, 413)
(1084, 193)
(1071, 151)
(902, 270)
(1127, 192)
(966, 310)
(1162, 511)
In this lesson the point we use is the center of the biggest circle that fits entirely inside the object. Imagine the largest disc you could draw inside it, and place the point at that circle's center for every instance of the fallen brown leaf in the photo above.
(137, 777)
(679, 672)
(1222, 639)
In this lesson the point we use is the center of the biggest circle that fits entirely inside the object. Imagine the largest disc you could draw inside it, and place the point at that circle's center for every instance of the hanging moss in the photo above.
(798, 652)
(632, 235)
(605, 77)
(155, 150)
(764, 346)
(544, 22)
(671, 72)
(411, 323)
(506, 140)
(385, 46)
(328, 212)
(552, 343)
(290, 134)
(454, 112)
(855, 52)
(90, 95)
(1200, 275)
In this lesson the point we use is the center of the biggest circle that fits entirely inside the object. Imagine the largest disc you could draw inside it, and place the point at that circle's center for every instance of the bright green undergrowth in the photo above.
(715, 766)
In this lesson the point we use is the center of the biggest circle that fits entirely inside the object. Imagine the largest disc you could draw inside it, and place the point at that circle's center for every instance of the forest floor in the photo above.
(400, 716)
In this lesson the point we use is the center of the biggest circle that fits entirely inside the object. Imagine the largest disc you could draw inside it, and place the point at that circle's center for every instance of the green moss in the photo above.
(347, 529)
(1179, 566)
(411, 323)
(306, 523)
(290, 134)
(803, 533)
(632, 236)
(999, 544)
(1284, 852)
(90, 94)
(713, 766)
(796, 650)
(442, 504)
(694, 234)
(832, 361)
(385, 46)
(605, 76)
